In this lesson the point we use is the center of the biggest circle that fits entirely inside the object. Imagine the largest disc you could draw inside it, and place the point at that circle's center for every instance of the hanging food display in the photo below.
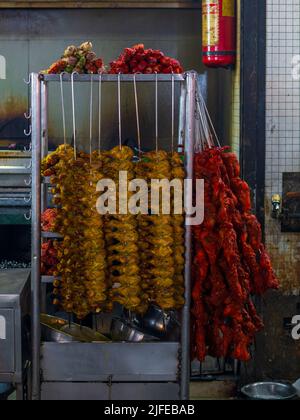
(231, 264)
(219, 33)
(146, 61)
(80, 59)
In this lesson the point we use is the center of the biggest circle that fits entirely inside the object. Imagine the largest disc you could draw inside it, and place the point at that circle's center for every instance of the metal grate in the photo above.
(282, 130)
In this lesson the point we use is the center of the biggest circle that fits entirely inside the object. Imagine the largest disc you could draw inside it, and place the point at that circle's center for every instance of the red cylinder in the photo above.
(219, 32)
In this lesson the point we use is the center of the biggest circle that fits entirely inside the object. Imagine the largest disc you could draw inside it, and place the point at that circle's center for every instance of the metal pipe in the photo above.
(44, 131)
(182, 117)
(36, 233)
(191, 84)
(44, 153)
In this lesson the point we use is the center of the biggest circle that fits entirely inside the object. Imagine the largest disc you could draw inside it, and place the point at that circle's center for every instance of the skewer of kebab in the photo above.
(95, 278)
(156, 230)
(121, 230)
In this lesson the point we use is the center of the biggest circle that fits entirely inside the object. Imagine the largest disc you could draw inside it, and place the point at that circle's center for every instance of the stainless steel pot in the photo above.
(159, 323)
(122, 331)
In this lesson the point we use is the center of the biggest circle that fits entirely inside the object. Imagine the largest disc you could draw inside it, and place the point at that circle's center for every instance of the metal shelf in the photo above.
(102, 4)
(48, 279)
(51, 235)
(113, 78)
(179, 354)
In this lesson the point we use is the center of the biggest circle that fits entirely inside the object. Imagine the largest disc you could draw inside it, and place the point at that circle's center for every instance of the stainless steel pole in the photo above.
(44, 153)
(36, 234)
(191, 83)
(182, 116)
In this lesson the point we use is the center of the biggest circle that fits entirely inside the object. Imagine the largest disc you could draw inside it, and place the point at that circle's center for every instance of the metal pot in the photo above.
(270, 391)
(159, 323)
(122, 331)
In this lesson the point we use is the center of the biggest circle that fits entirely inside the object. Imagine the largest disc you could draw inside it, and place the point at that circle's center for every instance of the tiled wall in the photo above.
(283, 131)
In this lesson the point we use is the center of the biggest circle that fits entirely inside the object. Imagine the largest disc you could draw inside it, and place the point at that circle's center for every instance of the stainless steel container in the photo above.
(270, 391)
(122, 331)
(60, 331)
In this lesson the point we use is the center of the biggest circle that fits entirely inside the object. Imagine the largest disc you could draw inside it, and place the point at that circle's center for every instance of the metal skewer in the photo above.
(91, 119)
(173, 112)
(137, 114)
(100, 113)
(156, 112)
(63, 107)
(74, 115)
(119, 111)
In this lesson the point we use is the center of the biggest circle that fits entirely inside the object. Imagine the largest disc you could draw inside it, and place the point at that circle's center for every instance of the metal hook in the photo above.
(63, 106)
(30, 148)
(30, 165)
(119, 110)
(28, 116)
(28, 216)
(73, 112)
(29, 133)
(27, 200)
(28, 182)
(27, 81)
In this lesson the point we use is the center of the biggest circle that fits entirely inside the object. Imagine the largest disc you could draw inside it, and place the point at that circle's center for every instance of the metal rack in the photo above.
(168, 364)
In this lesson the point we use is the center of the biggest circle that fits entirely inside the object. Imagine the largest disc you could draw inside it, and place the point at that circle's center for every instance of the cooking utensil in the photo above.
(60, 331)
(161, 324)
(270, 391)
(122, 331)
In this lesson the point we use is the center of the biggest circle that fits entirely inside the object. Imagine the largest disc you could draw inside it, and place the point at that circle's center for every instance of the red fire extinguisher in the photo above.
(219, 32)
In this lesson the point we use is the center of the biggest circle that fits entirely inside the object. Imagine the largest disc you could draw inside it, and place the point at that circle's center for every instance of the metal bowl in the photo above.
(159, 323)
(59, 331)
(269, 391)
(122, 331)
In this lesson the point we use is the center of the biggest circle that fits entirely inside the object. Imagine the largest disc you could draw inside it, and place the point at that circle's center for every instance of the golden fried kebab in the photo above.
(121, 237)
(156, 238)
(81, 271)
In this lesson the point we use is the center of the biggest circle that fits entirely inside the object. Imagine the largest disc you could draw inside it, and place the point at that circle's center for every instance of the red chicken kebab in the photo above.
(231, 264)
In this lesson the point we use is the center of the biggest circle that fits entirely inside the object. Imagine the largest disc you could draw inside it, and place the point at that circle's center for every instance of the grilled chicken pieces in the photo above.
(231, 263)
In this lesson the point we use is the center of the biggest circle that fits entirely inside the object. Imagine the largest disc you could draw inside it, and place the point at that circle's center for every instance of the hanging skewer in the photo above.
(73, 112)
(63, 107)
(119, 110)
(91, 118)
(156, 112)
(137, 114)
(173, 112)
(100, 112)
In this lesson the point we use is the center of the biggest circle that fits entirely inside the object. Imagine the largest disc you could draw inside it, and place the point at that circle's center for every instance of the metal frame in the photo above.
(253, 99)
(39, 93)
(102, 4)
